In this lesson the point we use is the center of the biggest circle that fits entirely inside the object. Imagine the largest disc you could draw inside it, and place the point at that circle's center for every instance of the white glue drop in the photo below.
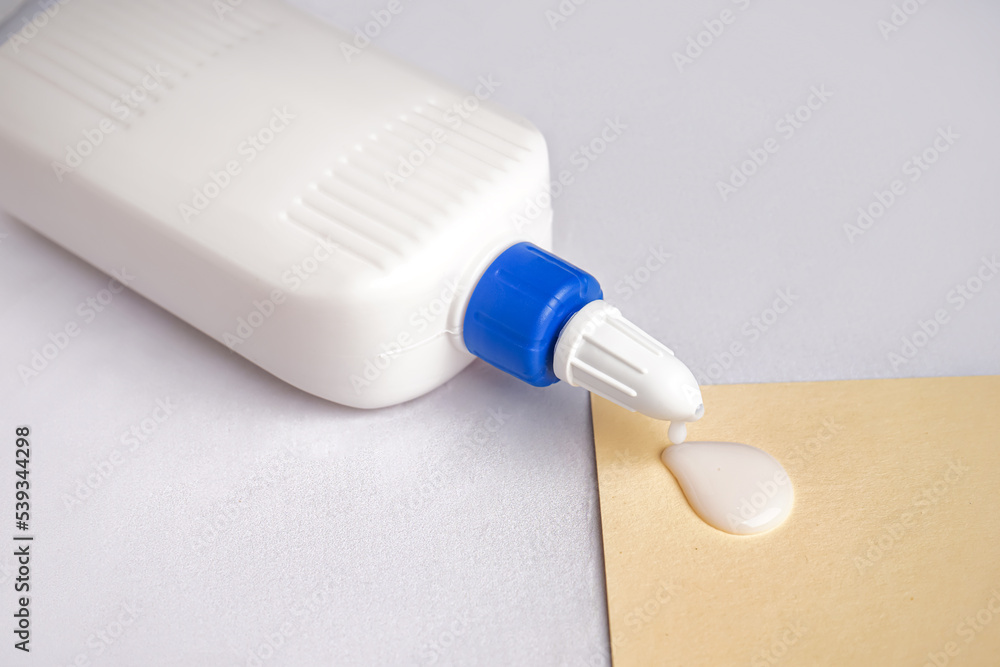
(677, 432)
(736, 488)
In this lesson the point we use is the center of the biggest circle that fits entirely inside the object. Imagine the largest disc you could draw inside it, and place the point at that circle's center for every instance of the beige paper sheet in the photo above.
(891, 555)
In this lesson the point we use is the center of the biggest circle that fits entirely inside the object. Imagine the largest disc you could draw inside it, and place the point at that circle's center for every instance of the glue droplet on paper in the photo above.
(736, 488)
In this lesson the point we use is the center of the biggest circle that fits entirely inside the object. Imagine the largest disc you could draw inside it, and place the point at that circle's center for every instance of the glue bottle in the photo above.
(352, 225)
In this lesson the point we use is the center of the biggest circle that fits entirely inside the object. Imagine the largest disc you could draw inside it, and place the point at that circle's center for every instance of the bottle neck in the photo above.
(519, 307)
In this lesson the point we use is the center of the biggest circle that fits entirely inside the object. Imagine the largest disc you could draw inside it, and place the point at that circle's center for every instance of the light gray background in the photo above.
(468, 520)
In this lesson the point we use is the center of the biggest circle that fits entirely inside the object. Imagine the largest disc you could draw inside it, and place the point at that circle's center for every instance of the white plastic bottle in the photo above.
(319, 207)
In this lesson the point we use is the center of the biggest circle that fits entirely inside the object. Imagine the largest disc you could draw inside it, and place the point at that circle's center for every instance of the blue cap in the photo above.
(520, 306)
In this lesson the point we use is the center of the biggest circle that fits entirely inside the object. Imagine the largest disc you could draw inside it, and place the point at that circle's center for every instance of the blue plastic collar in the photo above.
(519, 307)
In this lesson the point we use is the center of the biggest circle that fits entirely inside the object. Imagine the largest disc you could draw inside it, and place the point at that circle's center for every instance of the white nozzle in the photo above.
(603, 352)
